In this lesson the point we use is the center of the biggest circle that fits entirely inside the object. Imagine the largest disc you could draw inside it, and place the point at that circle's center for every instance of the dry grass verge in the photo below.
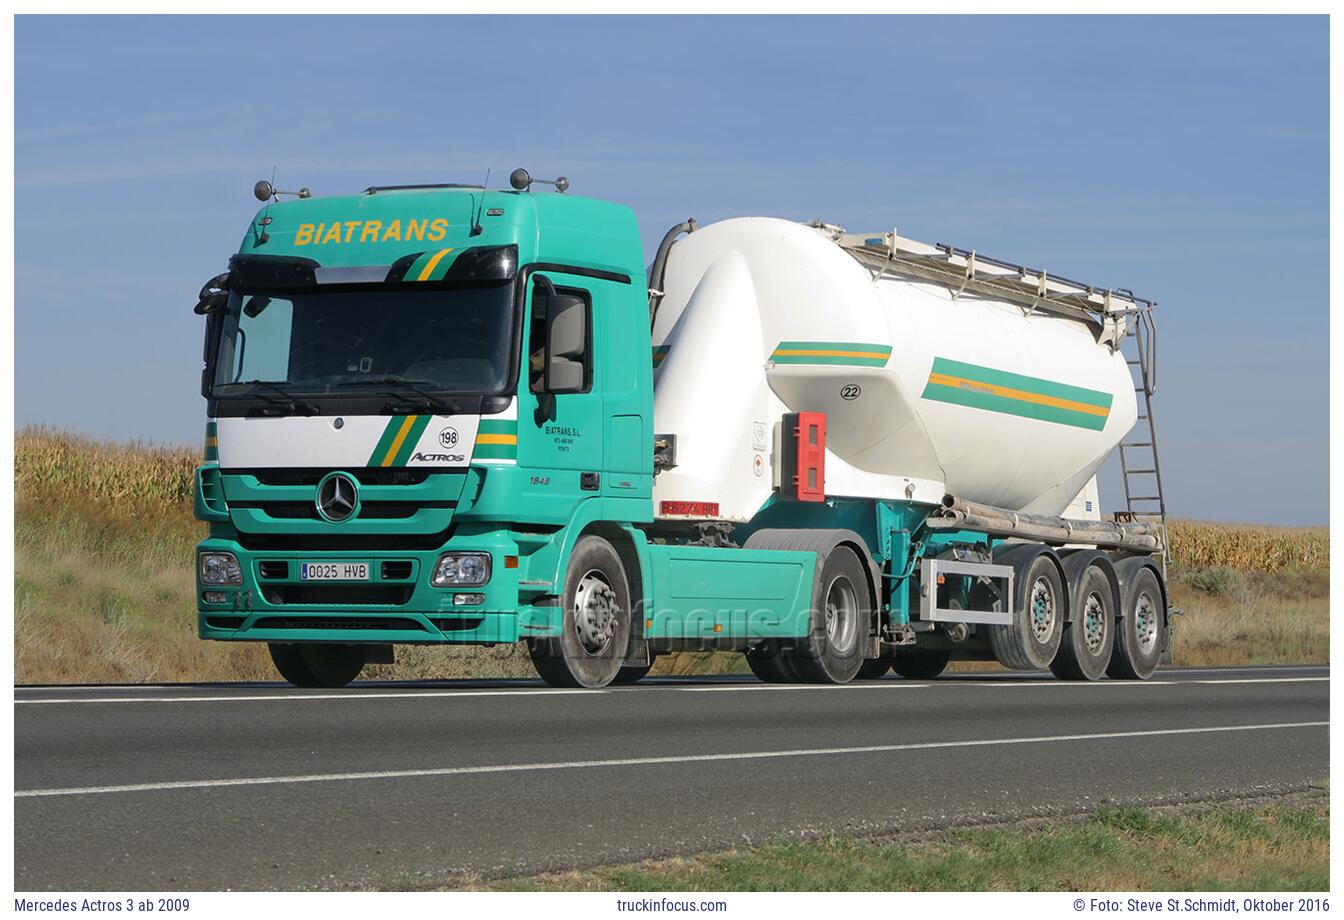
(1226, 847)
(104, 538)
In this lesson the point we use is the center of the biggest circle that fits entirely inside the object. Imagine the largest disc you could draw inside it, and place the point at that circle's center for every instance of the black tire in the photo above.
(832, 652)
(633, 674)
(921, 664)
(592, 643)
(1141, 627)
(1030, 642)
(1089, 637)
(319, 664)
(772, 663)
(873, 669)
(288, 660)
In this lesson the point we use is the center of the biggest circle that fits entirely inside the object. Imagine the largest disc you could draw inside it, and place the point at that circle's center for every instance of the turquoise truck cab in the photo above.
(395, 383)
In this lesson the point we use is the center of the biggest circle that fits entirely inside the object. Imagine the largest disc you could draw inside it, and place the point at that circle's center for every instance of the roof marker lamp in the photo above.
(220, 569)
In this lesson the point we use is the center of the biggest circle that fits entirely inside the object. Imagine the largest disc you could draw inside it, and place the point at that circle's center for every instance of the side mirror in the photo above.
(214, 295)
(566, 344)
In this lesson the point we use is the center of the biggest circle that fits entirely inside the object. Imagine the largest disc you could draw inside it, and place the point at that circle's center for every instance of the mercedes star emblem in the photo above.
(336, 497)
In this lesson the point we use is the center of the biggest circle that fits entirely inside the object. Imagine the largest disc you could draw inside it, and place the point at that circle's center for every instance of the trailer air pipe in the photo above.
(955, 514)
(659, 267)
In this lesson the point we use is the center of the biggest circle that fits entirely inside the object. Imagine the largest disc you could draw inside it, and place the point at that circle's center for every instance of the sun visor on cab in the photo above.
(473, 264)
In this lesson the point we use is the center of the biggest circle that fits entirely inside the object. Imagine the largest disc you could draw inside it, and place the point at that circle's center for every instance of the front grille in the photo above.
(343, 542)
(373, 511)
(273, 568)
(288, 511)
(395, 510)
(371, 476)
(395, 571)
(338, 595)
(383, 623)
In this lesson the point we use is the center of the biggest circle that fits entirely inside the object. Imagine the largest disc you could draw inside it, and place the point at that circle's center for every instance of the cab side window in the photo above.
(540, 333)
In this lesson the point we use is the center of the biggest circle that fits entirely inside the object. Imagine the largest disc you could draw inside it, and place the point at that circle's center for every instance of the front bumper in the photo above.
(396, 605)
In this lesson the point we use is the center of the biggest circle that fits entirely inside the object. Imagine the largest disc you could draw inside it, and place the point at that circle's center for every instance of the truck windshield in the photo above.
(446, 340)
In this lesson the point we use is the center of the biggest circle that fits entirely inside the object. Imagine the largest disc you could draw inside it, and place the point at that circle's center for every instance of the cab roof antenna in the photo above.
(480, 209)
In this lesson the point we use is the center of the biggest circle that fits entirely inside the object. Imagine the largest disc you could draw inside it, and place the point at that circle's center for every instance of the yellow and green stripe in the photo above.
(1016, 394)
(496, 439)
(211, 442)
(428, 266)
(659, 353)
(848, 354)
(399, 439)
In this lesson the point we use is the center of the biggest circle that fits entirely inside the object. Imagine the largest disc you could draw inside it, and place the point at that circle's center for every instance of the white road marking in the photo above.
(883, 685)
(284, 697)
(1256, 680)
(641, 761)
(951, 681)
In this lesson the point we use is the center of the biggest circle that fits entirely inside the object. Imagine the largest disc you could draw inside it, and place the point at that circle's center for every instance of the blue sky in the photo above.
(1185, 158)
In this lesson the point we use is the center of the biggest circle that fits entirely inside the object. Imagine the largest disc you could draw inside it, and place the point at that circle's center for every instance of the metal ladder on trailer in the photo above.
(1139, 464)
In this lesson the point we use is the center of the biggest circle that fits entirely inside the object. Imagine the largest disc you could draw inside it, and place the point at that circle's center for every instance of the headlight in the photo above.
(220, 569)
(461, 570)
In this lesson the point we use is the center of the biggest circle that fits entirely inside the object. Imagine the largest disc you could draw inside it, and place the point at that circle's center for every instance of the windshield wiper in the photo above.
(427, 399)
(283, 398)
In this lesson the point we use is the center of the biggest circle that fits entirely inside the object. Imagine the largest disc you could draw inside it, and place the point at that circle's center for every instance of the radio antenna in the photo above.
(476, 223)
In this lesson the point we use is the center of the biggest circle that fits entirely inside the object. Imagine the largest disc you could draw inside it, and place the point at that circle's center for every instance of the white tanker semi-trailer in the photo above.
(852, 452)
(965, 403)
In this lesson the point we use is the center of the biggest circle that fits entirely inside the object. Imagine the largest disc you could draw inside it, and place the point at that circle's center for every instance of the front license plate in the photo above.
(334, 571)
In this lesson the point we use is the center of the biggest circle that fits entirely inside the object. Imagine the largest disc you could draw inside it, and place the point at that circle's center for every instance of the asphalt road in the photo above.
(264, 786)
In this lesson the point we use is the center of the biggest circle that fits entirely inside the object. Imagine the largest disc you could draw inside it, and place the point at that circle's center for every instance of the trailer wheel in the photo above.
(595, 628)
(318, 664)
(1138, 641)
(921, 664)
(1089, 637)
(873, 668)
(832, 653)
(1030, 642)
(772, 663)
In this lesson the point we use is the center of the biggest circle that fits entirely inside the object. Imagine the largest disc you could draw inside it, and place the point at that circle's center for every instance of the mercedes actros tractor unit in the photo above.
(448, 414)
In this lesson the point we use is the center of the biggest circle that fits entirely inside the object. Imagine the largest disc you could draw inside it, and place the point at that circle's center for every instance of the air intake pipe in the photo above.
(659, 267)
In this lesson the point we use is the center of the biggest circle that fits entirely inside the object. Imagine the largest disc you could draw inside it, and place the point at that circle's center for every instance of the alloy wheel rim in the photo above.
(1094, 623)
(1145, 622)
(1042, 609)
(595, 610)
(841, 614)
